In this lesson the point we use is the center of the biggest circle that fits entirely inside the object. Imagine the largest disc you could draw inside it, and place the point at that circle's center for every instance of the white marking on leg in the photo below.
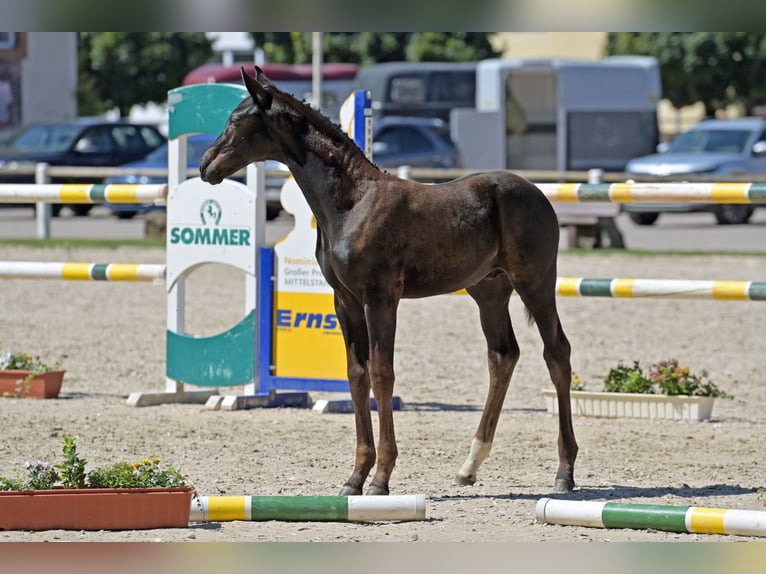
(479, 453)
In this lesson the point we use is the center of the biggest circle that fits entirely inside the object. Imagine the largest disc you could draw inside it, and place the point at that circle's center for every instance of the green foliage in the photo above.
(73, 468)
(40, 476)
(120, 69)
(624, 379)
(665, 377)
(365, 48)
(715, 68)
(11, 483)
(673, 379)
(26, 362)
(143, 474)
(146, 473)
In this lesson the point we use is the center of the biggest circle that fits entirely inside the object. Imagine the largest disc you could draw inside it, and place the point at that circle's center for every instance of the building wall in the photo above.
(49, 77)
(38, 78)
(574, 45)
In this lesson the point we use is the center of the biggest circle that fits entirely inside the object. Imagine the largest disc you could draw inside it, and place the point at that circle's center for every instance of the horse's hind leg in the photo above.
(492, 296)
(351, 319)
(540, 301)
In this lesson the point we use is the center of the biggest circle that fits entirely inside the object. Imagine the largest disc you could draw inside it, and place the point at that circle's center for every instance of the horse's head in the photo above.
(247, 136)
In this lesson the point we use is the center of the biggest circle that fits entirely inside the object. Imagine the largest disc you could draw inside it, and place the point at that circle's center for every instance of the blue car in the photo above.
(413, 141)
(717, 147)
(196, 145)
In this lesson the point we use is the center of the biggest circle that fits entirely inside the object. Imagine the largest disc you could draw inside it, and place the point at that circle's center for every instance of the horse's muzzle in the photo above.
(207, 170)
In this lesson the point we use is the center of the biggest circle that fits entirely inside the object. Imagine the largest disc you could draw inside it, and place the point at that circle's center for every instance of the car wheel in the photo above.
(733, 214)
(272, 212)
(125, 214)
(647, 218)
(81, 210)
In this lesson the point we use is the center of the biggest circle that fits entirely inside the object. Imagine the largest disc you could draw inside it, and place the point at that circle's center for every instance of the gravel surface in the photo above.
(112, 338)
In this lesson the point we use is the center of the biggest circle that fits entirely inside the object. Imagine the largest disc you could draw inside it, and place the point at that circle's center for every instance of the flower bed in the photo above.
(121, 496)
(668, 391)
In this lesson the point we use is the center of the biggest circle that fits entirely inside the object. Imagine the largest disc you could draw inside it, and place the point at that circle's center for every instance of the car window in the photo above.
(95, 140)
(128, 138)
(152, 138)
(716, 141)
(45, 138)
(403, 139)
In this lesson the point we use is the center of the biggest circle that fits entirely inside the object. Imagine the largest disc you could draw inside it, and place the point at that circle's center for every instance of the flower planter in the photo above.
(15, 383)
(634, 405)
(95, 509)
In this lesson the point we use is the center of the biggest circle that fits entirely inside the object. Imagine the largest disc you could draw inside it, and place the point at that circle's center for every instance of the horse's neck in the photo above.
(326, 182)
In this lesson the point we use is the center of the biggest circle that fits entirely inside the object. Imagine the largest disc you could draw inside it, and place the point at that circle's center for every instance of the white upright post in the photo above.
(42, 209)
(177, 295)
(256, 182)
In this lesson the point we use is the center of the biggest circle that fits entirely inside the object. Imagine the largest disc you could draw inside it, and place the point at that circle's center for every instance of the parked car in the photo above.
(716, 147)
(196, 145)
(413, 141)
(91, 143)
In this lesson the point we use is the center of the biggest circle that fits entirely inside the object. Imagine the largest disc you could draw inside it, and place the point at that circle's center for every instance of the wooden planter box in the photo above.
(14, 383)
(95, 509)
(634, 405)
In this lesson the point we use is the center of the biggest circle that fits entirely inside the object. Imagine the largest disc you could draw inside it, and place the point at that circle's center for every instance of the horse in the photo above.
(381, 238)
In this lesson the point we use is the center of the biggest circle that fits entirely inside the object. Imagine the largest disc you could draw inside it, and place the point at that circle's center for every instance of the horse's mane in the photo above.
(321, 122)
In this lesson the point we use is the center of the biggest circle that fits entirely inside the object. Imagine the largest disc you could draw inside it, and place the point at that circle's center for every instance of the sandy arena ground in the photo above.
(112, 338)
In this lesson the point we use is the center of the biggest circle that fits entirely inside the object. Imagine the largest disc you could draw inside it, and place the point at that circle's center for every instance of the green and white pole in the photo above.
(692, 519)
(308, 508)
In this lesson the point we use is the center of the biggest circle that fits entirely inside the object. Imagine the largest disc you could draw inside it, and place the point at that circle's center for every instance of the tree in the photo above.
(715, 68)
(121, 69)
(370, 47)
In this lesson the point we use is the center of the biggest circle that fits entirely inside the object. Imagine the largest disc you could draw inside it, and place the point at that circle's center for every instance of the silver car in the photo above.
(717, 147)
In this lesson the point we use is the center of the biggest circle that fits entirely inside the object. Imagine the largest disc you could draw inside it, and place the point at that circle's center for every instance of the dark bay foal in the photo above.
(381, 238)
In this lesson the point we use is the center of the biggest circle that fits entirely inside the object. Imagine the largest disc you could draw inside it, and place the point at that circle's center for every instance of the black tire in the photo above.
(733, 213)
(272, 212)
(80, 209)
(125, 214)
(645, 218)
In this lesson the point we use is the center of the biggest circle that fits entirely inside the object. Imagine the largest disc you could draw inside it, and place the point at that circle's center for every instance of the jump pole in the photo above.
(76, 271)
(691, 519)
(406, 507)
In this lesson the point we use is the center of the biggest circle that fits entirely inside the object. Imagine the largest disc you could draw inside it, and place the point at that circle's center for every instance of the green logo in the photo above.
(210, 212)
(209, 233)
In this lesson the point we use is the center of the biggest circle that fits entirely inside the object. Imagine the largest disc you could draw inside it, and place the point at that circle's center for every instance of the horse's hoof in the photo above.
(350, 491)
(564, 485)
(375, 490)
(469, 480)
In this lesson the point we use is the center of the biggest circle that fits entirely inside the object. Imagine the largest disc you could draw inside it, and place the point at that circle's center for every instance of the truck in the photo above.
(559, 114)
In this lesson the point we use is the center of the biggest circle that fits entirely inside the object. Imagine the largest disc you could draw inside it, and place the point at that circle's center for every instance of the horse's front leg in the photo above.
(352, 323)
(381, 327)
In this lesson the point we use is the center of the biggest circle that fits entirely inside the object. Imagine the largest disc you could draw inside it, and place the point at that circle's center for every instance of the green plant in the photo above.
(26, 362)
(15, 360)
(576, 384)
(71, 473)
(73, 467)
(40, 476)
(665, 377)
(146, 473)
(673, 379)
(624, 379)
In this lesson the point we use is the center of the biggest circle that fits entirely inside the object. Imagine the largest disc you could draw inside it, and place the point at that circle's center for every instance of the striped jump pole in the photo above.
(691, 519)
(661, 288)
(658, 192)
(82, 271)
(83, 193)
(308, 508)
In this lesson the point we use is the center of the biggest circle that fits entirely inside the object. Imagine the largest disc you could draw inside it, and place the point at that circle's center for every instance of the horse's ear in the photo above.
(260, 96)
(262, 79)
